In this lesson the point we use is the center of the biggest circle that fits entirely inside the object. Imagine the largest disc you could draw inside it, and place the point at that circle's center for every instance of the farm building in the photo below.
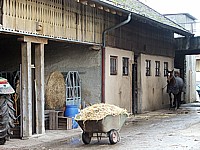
(121, 52)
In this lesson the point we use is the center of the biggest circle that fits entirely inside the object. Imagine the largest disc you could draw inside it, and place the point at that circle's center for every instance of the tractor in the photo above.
(7, 112)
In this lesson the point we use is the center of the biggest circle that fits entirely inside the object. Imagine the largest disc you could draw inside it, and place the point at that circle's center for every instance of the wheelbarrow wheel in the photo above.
(113, 136)
(86, 138)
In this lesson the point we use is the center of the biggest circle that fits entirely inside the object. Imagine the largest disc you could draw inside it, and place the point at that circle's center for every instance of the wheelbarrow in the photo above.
(109, 126)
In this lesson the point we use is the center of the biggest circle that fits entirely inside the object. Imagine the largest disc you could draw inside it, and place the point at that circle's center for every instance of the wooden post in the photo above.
(26, 99)
(39, 76)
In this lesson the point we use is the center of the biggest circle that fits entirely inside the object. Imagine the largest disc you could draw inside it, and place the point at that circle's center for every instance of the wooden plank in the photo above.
(63, 19)
(20, 10)
(50, 14)
(67, 16)
(12, 14)
(28, 22)
(64, 123)
(51, 121)
(8, 14)
(33, 39)
(5, 12)
(39, 77)
(46, 24)
(54, 119)
(46, 114)
(26, 98)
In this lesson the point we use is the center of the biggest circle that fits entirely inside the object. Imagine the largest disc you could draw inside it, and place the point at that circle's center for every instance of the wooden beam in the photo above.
(26, 98)
(84, 2)
(113, 12)
(33, 39)
(39, 88)
(107, 9)
(92, 5)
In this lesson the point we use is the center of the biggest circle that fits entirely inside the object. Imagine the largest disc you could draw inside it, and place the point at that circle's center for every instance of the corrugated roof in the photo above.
(137, 7)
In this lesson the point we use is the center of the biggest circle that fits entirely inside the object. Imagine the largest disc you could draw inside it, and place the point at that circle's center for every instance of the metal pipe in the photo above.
(114, 27)
(103, 53)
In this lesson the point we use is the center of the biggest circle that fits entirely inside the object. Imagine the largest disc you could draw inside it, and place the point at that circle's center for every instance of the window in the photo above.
(125, 66)
(157, 68)
(165, 68)
(148, 67)
(113, 65)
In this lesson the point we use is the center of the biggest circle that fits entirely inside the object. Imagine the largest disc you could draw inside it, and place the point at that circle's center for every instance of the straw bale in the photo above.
(100, 111)
(55, 91)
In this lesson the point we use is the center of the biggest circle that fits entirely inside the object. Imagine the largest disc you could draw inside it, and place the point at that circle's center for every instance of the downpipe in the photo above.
(103, 53)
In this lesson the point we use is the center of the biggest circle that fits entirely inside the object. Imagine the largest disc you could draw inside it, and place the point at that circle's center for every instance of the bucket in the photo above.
(71, 111)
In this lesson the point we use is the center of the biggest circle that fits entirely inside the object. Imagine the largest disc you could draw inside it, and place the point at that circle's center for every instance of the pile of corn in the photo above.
(99, 111)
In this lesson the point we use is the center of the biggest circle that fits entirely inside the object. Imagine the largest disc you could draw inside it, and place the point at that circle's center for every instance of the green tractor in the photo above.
(7, 112)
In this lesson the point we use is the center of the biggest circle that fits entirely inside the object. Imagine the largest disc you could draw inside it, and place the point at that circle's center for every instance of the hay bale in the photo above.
(55, 91)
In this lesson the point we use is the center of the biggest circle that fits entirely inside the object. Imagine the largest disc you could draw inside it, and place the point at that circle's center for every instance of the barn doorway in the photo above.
(134, 87)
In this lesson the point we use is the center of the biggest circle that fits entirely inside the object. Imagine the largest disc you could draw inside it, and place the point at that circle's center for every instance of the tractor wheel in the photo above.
(7, 117)
(2, 141)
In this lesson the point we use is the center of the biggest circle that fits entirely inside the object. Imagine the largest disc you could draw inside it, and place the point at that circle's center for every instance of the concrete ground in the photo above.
(53, 137)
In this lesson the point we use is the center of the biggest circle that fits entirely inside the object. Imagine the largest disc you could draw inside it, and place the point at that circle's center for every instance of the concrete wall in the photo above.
(152, 89)
(118, 88)
(197, 69)
(63, 57)
(190, 78)
(73, 57)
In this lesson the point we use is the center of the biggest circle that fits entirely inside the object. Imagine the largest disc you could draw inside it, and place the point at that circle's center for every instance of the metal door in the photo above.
(73, 88)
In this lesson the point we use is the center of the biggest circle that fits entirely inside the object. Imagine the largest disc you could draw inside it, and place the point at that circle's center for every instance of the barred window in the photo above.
(157, 68)
(113, 65)
(165, 68)
(125, 68)
(148, 67)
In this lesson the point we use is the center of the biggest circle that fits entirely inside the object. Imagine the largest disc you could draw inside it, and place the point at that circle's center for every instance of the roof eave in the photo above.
(158, 24)
(150, 21)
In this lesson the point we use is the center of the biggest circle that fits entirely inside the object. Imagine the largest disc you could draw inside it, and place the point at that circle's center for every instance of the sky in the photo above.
(176, 6)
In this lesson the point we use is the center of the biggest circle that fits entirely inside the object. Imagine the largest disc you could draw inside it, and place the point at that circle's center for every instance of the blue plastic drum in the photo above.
(71, 111)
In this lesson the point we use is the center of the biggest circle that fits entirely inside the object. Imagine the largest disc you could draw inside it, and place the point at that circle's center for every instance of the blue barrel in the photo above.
(71, 111)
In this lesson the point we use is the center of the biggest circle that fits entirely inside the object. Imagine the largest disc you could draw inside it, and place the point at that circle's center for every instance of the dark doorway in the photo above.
(33, 89)
(134, 87)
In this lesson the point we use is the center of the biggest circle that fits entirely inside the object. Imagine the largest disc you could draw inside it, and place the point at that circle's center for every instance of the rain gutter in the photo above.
(103, 52)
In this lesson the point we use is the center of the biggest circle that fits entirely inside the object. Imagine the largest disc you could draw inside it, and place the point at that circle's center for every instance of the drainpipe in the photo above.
(103, 53)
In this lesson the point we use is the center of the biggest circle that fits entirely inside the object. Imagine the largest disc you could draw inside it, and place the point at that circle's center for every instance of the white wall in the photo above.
(190, 78)
(197, 69)
(197, 77)
(118, 88)
(152, 93)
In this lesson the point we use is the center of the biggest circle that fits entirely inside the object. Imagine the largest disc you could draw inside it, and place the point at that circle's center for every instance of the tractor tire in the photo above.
(2, 141)
(7, 117)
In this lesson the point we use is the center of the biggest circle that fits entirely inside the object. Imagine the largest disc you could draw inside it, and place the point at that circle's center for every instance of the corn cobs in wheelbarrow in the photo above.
(108, 126)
